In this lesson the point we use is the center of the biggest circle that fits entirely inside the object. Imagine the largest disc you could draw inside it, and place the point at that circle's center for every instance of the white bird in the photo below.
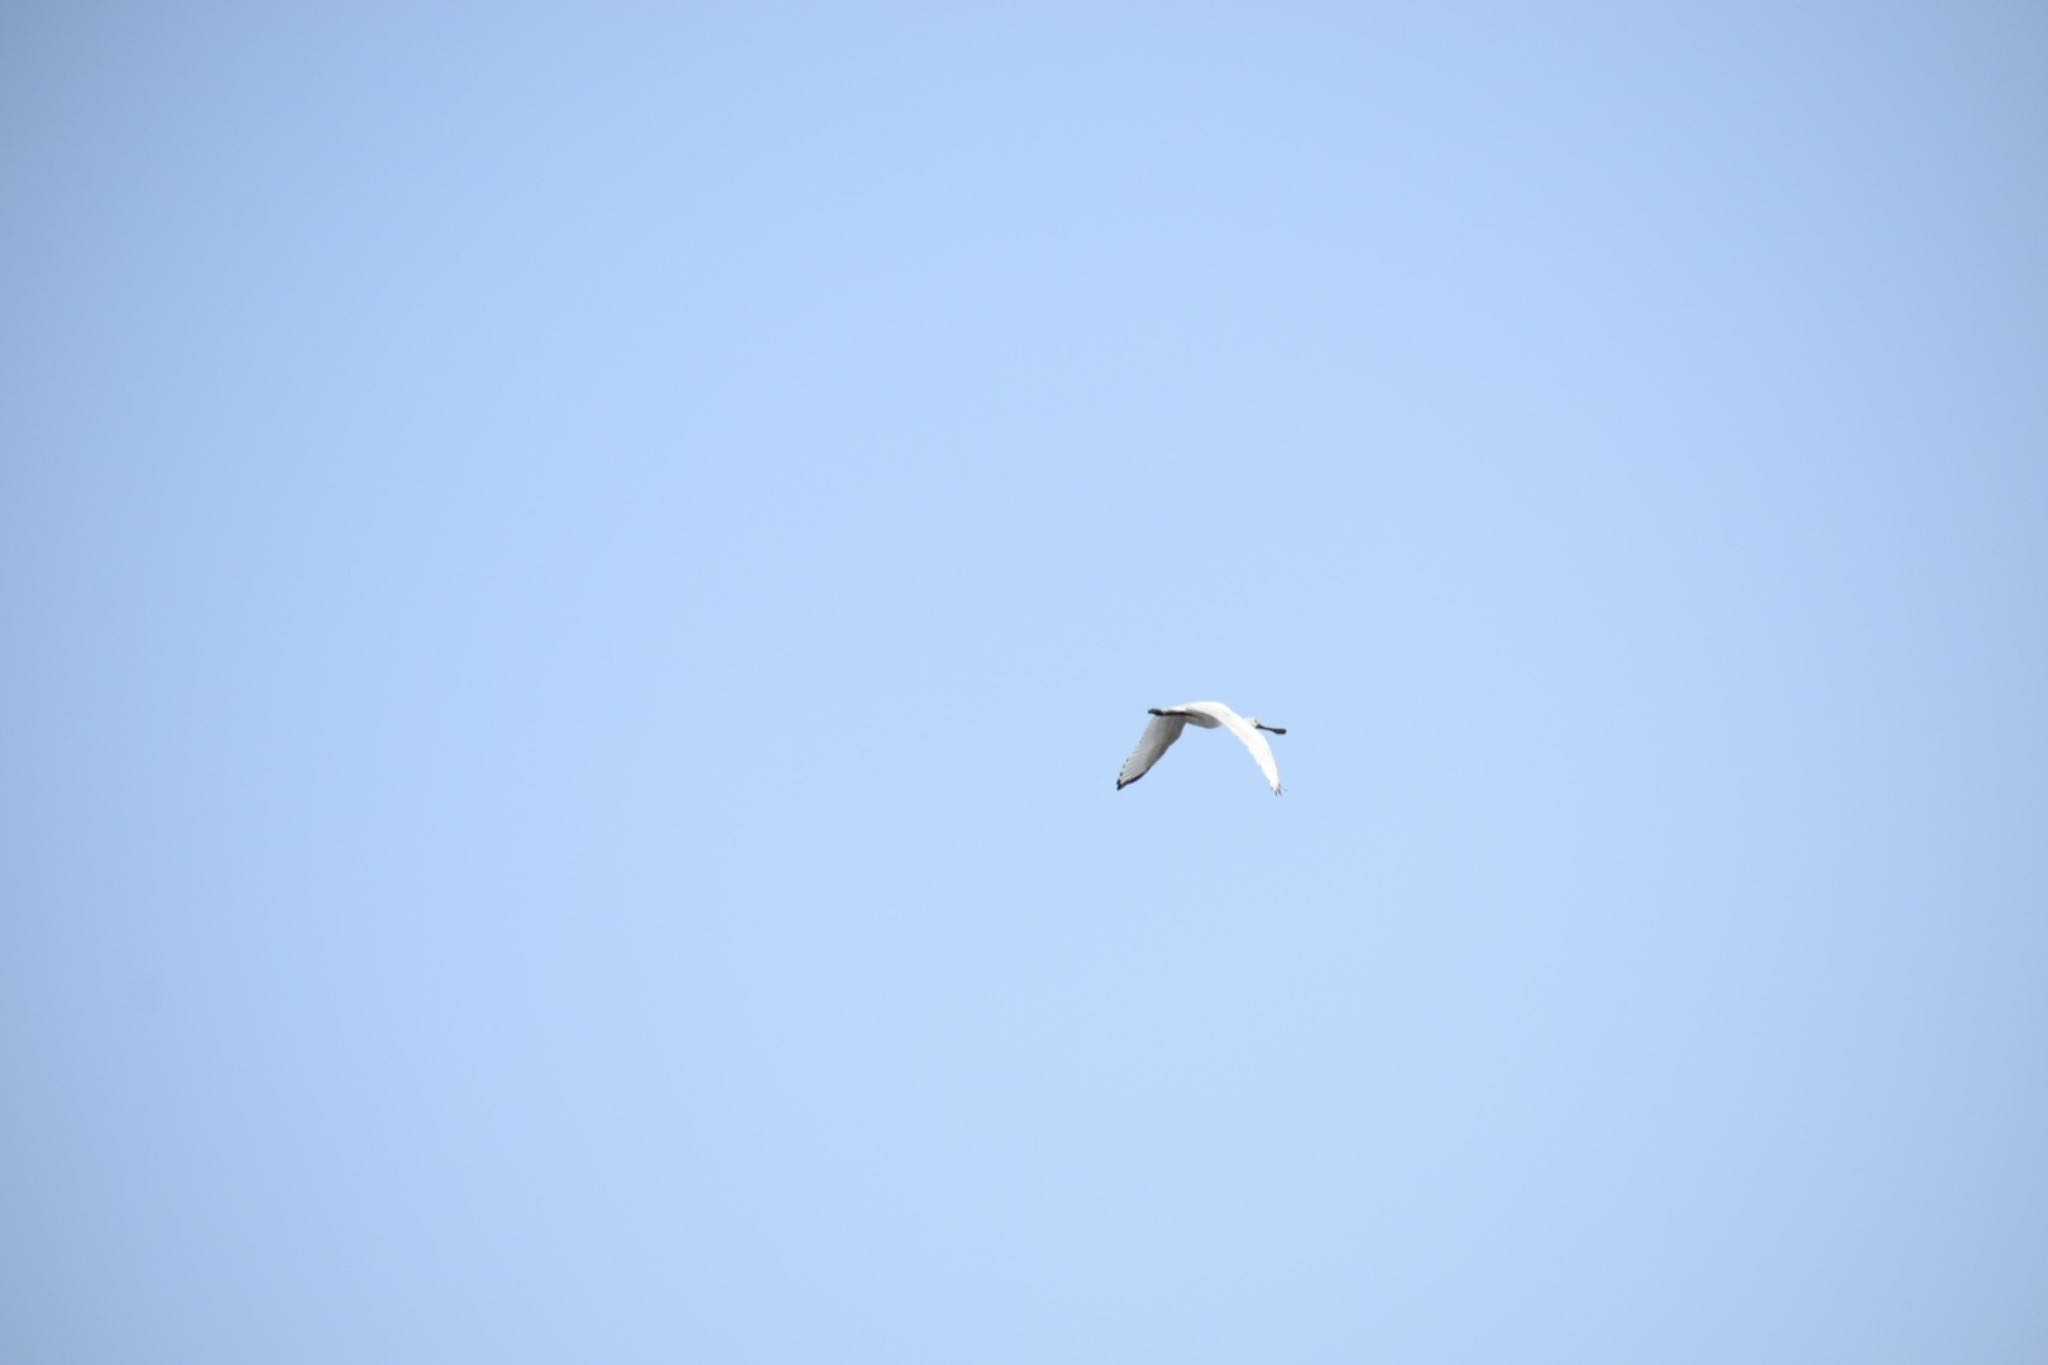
(1168, 722)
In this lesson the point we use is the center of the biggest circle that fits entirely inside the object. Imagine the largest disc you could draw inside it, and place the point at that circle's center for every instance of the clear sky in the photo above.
(576, 581)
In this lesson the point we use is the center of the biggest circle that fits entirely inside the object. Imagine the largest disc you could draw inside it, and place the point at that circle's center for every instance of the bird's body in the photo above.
(1169, 721)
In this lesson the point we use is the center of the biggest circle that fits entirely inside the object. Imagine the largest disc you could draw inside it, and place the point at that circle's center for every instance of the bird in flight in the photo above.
(1168, 722)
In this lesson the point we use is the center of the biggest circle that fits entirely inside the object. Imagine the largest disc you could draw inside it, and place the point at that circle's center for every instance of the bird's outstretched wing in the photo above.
(1262, 752)
(1157, 739)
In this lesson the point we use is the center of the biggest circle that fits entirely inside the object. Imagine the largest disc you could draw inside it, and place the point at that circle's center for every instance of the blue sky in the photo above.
(576, 581)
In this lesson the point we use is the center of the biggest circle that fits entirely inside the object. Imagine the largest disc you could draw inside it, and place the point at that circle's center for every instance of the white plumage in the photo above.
(1168, 722)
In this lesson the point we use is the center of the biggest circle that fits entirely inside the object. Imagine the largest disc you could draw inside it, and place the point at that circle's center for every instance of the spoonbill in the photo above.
(1167, 723)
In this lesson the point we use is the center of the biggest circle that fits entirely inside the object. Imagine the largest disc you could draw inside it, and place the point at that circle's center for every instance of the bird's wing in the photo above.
(1262, 752)
(1157, 739)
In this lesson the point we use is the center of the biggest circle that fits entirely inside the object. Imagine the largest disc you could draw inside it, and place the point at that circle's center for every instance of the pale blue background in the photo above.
(576, 582)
